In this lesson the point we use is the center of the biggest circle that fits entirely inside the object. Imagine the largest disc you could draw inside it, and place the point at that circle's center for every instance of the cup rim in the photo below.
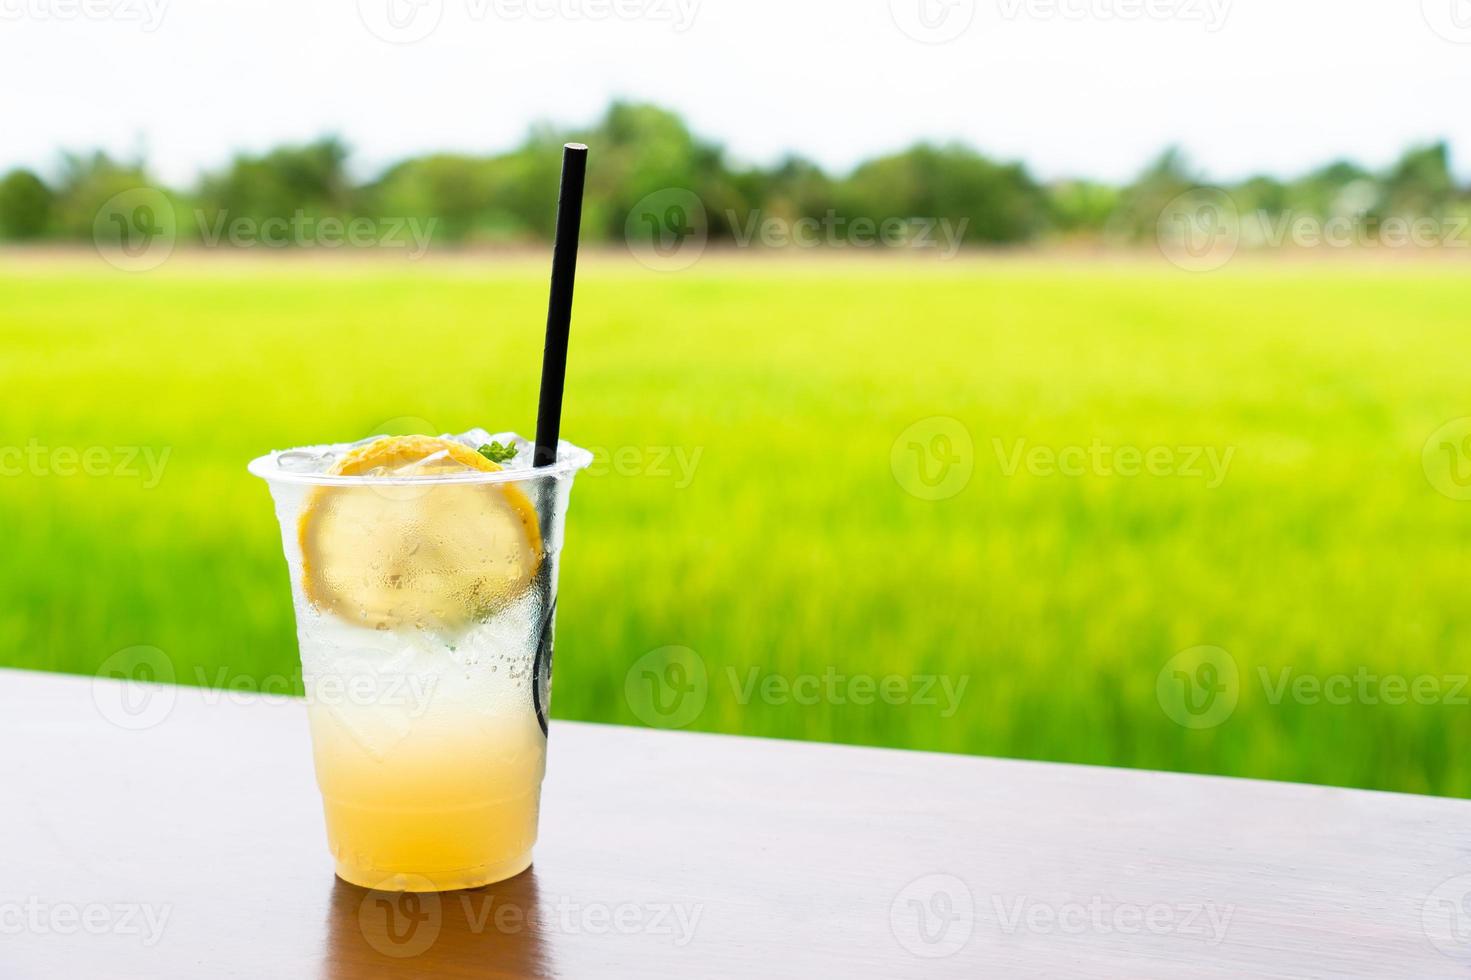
(570, 459)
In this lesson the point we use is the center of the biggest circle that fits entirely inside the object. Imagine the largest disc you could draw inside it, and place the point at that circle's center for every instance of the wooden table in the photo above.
(194, 847)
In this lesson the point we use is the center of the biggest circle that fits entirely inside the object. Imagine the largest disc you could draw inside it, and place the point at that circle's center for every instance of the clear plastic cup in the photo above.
(425, 608)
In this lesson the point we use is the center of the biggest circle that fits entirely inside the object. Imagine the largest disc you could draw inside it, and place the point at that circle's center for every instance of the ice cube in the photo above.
(305, 461)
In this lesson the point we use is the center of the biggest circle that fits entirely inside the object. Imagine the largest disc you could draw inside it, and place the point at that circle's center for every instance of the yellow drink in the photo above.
(428, 749)
(448, 806)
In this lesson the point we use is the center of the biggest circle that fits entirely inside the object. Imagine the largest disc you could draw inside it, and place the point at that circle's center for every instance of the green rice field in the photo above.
(995, 505)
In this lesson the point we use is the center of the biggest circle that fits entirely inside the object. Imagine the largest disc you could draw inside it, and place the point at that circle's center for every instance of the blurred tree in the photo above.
(1000, 201)
(795, 188)
(1142, 202)
(644, 150)
(1082, 207)
(1420, 184)
(311, 179)
(87, 184)
(25, 205)
(1340, 189)
(1261, 194)
(533, 171)
(468, 198)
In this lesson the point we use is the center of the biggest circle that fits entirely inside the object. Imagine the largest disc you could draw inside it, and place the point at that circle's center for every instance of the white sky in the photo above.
(1084, 87)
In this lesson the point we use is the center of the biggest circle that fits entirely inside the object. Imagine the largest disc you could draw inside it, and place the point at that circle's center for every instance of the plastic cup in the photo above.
(425, 608)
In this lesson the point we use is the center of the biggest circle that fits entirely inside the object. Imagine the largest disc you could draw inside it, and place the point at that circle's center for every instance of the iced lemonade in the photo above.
(424, 576)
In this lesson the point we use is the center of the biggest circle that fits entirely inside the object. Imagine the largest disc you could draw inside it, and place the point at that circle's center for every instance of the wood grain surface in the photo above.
(178, 834)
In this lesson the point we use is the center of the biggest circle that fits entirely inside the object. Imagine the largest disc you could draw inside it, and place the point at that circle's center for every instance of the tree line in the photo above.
(643, 150)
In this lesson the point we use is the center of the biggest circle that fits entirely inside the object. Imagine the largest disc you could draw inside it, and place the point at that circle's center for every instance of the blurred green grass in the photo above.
(794, 549)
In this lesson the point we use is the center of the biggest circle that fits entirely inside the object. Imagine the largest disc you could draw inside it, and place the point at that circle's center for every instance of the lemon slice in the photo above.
(429, 555)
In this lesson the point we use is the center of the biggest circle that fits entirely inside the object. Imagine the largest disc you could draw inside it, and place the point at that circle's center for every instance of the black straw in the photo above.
(559, 307)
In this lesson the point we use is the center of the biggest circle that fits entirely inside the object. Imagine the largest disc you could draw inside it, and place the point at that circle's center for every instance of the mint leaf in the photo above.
(497, 453)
